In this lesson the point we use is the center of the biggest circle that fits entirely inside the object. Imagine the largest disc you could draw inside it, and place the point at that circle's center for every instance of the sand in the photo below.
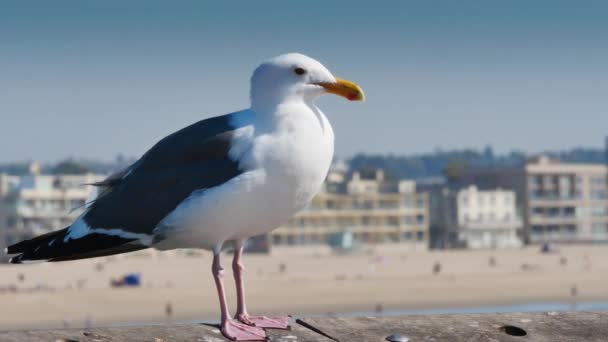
(315, 282)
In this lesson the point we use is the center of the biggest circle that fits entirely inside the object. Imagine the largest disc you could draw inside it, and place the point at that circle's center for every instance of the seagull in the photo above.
(226, 178)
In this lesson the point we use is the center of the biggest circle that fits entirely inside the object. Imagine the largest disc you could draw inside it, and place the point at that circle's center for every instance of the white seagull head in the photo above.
(296, 77)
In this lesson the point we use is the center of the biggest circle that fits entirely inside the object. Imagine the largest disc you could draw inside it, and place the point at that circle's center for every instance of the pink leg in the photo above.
(232, 329)
(241, 308)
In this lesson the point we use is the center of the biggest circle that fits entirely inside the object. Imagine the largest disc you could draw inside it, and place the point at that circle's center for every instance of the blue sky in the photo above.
(97, 78)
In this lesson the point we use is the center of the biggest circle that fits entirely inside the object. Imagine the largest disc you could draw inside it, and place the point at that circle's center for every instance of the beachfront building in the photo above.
(566, 202)
(487, 218)
(371, 210)
(34, 204)
(443, 230)
(559, 202)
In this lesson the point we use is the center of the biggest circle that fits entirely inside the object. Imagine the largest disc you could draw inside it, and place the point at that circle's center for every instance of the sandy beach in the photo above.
(315, 281)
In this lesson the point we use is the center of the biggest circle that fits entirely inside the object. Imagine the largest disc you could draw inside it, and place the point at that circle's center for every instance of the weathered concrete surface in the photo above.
(550, 327)
(152, 333)
(538, 327)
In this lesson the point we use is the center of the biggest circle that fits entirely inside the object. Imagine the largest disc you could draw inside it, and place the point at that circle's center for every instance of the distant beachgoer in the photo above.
(492, 261)
(169, 311)
(547, 247)
(563, 261)
(21, 277)
(379, 308)
(574, 291)
(573, 294)
(436, 268)
(282, 267)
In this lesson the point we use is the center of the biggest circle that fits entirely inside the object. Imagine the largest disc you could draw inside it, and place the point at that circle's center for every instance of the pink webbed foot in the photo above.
(237, 331)
(280, 322)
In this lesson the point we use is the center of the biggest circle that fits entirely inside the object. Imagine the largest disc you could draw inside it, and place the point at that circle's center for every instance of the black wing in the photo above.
(193, 158)
(136, 199)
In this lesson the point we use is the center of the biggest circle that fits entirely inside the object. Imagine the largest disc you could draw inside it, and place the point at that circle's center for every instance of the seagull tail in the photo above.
(54, 246)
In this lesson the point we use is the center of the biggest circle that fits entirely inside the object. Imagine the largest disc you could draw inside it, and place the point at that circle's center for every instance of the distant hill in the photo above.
(395, 166)
(70, 166)
(434, 164)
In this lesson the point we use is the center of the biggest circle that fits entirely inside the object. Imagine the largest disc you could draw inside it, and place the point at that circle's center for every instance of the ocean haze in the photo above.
(94, 79)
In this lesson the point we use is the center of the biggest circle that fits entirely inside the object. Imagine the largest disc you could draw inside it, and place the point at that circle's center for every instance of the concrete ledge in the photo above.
(541, 327)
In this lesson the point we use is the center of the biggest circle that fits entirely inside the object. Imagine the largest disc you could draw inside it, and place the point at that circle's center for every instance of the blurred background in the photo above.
(474, 178)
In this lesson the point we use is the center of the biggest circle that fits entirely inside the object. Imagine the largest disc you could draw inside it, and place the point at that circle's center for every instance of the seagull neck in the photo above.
(270, 108)
(264, 107)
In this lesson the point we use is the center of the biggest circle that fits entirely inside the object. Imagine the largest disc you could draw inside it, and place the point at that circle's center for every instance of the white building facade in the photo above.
(566, 202)
(372, 210)
(35, 204)
(488, 219)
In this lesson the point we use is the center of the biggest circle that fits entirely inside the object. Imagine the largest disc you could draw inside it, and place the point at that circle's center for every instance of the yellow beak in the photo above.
(344, 88)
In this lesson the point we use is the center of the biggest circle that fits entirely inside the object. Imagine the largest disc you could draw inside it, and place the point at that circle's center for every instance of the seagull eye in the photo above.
(299, 71)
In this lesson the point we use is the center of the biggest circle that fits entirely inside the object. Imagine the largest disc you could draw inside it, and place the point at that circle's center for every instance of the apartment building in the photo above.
(370, 209)
(566, 202)
(35, 204)
(487, 218)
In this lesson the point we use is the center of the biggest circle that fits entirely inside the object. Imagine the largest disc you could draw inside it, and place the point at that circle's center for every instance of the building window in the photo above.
(276, 240)
(537, 229)
(569, 211)
(600, 229)
(393, 221)
(553, 212)
(464, 200)
(598, 194)
(599, 211)
(538, 211)
(408, 220)
(419, 236)
(388, 204)
(570, 229)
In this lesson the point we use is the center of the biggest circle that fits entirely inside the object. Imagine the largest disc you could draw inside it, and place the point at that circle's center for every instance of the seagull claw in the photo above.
(236, 331)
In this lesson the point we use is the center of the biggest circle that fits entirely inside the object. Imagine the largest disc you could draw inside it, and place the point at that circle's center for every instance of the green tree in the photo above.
(70, 167)
(454, 169)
